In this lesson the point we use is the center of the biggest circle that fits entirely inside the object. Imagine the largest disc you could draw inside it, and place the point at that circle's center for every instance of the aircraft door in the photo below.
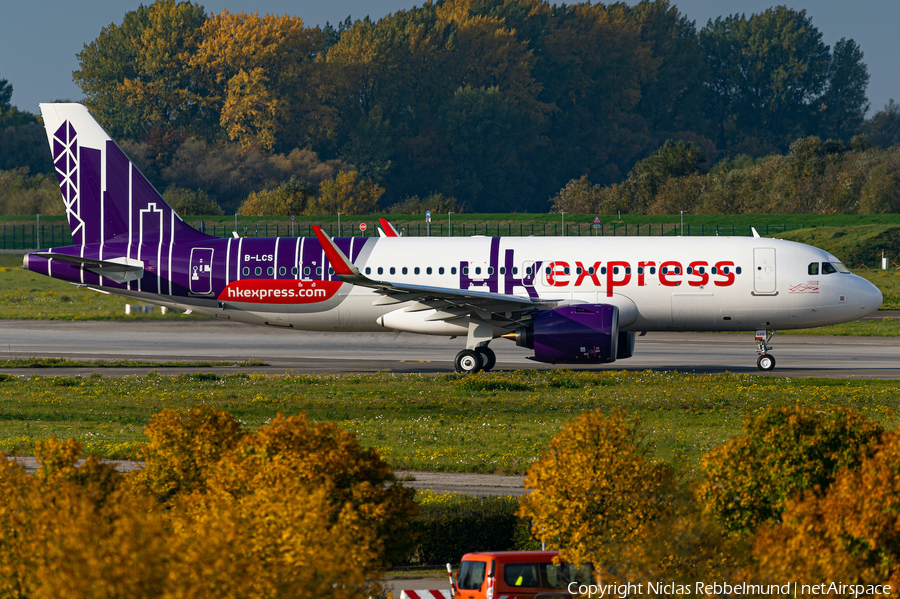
(201, 271)
(764, 271)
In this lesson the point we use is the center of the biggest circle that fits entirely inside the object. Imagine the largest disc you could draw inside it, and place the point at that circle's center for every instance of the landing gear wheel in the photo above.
(766, 362)
(488, 358)
(468, 361)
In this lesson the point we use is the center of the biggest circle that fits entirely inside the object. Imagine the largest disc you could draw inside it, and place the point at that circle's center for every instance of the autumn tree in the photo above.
(784, 451)
(191, 202)
(595, 491)
(290, 198)
(346, 193)
(260, 77)
(847, 532)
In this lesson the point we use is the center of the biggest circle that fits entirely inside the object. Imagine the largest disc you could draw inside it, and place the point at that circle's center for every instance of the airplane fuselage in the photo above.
(658, 283)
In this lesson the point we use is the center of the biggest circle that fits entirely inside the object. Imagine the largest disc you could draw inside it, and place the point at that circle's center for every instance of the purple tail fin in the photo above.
(107, 198)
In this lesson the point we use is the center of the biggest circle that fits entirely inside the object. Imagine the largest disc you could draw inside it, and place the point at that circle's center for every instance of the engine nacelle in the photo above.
(574, 334)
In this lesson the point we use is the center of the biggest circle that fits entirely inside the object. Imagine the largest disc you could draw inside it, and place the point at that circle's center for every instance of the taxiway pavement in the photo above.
(311, 352)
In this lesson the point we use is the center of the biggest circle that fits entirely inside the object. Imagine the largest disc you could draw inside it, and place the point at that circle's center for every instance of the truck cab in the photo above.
(514, 574)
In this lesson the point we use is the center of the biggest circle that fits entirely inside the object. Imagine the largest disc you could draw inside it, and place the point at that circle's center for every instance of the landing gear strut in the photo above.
(765, 361)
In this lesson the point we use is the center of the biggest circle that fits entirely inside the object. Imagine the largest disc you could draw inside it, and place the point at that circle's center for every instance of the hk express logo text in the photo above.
(268, 291)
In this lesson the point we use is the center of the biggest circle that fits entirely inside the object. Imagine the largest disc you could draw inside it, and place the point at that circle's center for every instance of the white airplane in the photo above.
(573, 300)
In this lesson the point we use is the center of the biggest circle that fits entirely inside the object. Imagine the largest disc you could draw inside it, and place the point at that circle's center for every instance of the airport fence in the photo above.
(32, 236)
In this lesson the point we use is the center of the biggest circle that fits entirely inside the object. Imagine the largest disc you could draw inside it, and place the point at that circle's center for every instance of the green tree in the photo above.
(193, 202)
(844, 103)
(883, 128)
(783, 451)
(766, 73)
(135, 76)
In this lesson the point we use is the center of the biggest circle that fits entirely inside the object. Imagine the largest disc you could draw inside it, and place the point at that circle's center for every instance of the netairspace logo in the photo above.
(720, 589)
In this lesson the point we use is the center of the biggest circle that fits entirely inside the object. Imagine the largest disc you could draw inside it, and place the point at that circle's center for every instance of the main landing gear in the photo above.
(471, 361)
(765, 361)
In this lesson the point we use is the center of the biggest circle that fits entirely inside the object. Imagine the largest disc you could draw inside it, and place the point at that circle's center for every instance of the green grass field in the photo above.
(482, 423)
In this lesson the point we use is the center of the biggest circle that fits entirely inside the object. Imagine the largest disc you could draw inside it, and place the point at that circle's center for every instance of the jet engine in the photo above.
(576, 334)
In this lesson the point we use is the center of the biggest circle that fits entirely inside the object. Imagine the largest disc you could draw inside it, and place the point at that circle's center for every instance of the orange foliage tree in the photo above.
(783, 451)
(595, 490)
(851, 533)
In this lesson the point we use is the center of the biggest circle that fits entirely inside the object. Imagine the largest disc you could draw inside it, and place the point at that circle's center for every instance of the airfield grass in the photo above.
(490, 422)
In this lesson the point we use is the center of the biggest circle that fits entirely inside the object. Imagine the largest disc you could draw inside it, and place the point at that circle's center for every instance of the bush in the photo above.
(450, 525)
(290, 198)
(435, 202)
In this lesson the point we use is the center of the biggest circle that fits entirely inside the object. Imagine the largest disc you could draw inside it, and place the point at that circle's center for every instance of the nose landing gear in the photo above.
(765, 360)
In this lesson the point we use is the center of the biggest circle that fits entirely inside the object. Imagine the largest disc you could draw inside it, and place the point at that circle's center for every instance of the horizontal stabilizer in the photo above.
(120, 270)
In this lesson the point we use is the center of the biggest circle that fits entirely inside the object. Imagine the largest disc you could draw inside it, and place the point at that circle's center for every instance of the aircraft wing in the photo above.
(449, 303)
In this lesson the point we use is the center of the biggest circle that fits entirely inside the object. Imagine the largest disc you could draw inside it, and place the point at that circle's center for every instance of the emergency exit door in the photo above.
(201, 271)
(764, 271)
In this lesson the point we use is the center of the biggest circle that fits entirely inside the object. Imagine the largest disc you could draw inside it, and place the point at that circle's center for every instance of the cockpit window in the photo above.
(813, 268)
(828, 269)
(840, 267)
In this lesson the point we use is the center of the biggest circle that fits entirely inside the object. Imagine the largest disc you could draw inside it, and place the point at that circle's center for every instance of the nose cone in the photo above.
(870, 297)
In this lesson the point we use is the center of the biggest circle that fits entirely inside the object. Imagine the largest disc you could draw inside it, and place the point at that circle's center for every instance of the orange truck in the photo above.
(515, 575)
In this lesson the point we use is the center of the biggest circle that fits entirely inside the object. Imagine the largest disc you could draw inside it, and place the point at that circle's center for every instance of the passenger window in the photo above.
(441, 270)
(306, 271)
(502, 270)
(640, 270)
(368, 270)
(258, 271)
(416, 270)
(725, 270)
(737, 270)
(827, 268)
(701, 270)
(380, 270)
(713, 270)
(677, 270)
(319, 271)
(270, 271)
(566, 270)
(528, 271)
(452, 270)
(516, 270)
(664, 270)
(477, 270)
(591, 270)
(521, 575)
(627, 270)
(813, 268)
(246, 270)
(615, 270)
(294, 271)
(548, 270)
(689, 270)
(428, 271)
(652, 270)
(330, 271)
(405, 270)
(465, 270)
(393, 270)
(602, 270)
(578, 270)
(471, 575)
(282, 271)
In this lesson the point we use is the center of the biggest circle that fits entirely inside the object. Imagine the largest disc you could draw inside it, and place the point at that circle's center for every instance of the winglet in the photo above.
(389, 229)
(339, 262)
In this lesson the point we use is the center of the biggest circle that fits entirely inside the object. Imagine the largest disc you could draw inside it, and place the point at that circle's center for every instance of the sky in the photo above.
(39, 41)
